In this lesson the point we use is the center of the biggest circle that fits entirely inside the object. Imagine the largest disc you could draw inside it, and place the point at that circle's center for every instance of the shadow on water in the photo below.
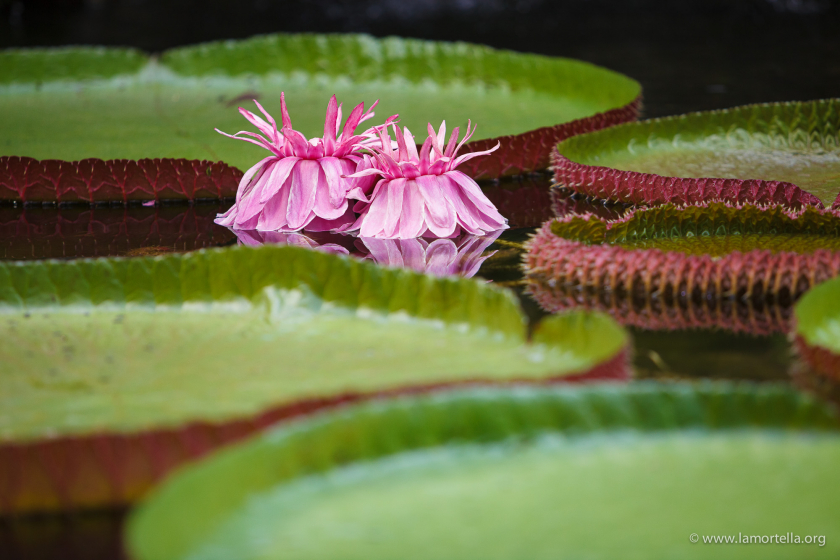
(88, 536)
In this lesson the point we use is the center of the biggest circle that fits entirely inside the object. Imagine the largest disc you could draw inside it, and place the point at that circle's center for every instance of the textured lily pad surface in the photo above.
(713, 229)
(114, 371)
(85, 103)
(111, 344)
(739, 268)
(600, 472)
(780, 145)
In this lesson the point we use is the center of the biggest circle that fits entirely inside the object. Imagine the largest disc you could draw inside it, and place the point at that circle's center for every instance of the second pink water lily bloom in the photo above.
(303, 184)
(422, 194)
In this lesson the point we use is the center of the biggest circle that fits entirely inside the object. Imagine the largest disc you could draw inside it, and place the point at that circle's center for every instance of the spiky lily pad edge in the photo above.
(749, 292)
(647, 188)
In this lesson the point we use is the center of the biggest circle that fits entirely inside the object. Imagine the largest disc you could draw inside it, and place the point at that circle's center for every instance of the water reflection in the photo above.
(82, 231)
(693, 335)
(461, 256)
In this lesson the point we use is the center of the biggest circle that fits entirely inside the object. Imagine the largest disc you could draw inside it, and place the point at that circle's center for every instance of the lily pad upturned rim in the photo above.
(648, 188)
(42, 474)
(411, 59)
(188, 507)
(667, 290)
(817, 314)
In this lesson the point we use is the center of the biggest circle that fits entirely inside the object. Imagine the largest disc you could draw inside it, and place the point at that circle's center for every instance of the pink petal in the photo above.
(302, 193)
(337, 186)
(330, 126)
(353, 121)
(340, 223)
(410, 145)
(273, 215)
(394, 209)
(413, 215)
(478, 198)
(280, 174)
(375, 215)
(284, 112)
(453, 141)
(440, 218)
(250, 205)
(466, 157)
(324, 207)
(464, 213)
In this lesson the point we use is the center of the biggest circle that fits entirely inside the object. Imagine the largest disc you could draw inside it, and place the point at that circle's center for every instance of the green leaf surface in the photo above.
(794, 142)
(595, 472)
(818, 316)
(170, 107)
(74, 64)
(112, 344)
(714, 229)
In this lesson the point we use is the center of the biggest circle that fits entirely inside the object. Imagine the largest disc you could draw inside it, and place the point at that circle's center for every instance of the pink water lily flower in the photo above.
(303, 184)
(423, 194)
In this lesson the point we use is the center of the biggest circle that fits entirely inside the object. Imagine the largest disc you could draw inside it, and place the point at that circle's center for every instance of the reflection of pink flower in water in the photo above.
(440, 257)
(302, 184)
(422, 194)
(254, 238)
(462, 256)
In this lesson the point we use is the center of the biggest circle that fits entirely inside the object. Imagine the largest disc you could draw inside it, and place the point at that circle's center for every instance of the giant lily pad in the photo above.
(786, 153)
(98, 103)
(668, 267)
(114, 370)
(597, 472)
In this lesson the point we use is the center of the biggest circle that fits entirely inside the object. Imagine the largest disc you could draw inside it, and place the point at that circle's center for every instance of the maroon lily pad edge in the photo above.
(89, 181)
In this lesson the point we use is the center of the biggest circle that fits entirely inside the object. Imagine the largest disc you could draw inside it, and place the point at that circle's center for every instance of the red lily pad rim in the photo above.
(610, 278)
(90, 181)
(26, 466)
(648, 188)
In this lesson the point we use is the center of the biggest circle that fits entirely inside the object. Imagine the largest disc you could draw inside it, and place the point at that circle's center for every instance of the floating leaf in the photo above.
(168, 109)
(525, 473)
(818, 331)
(786, 153)
(95, 353)
(739, 268)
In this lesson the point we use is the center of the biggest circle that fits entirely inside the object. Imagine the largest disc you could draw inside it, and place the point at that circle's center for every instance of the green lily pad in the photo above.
(118, 370)
(817, 341)
(109, 344)
(796, 143)
(740, 268)
(75, 104)
(597, 472)
(818, 316)
(714, 229)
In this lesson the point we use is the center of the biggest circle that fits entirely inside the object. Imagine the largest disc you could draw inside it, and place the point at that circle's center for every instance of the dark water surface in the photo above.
(691, 55)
